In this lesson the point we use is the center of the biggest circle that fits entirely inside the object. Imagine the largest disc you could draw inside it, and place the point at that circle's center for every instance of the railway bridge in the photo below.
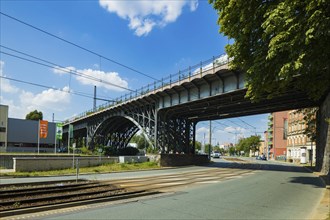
(168, 110)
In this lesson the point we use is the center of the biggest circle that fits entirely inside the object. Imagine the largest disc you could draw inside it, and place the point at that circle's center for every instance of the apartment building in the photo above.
(277, 135)
(298, 144)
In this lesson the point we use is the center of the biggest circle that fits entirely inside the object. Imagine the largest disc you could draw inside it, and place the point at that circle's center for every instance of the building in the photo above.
(262, 148)
(19, 135)
(277, 134)
(298, 144)
(3, 125)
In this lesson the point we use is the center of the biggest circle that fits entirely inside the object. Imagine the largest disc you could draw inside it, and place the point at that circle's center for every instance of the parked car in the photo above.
(62, 150)
(261, 157)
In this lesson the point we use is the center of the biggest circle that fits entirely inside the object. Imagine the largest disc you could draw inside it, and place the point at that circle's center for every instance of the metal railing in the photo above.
(187, 73)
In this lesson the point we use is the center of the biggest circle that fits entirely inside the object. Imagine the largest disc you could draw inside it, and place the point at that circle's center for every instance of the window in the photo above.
(2, 129)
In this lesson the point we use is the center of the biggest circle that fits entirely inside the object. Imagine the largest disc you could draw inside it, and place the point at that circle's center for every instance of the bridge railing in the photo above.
(187, 73)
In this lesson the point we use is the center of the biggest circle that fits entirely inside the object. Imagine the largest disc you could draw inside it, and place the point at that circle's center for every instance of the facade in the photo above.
(266, 144)
(298, 143)
(277, 135)
(262, 148)
(19, 135)
(3, 125)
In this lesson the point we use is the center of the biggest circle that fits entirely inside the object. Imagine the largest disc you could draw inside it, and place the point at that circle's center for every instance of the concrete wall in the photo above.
(6, 160)
(167, 160)
(323, 137)
(28, 164)
(133, 159)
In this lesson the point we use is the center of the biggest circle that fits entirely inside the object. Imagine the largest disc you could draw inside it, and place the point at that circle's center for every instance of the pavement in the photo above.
(320, 212)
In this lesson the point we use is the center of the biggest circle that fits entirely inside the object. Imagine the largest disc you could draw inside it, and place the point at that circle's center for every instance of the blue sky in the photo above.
(156, 38)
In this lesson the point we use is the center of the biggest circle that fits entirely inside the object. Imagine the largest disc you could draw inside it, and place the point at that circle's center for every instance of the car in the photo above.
(216, 154)
(62, 150)
(261, 157)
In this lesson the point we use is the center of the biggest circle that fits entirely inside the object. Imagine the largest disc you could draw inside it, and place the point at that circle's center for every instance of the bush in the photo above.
(86, 151)
(127, 151)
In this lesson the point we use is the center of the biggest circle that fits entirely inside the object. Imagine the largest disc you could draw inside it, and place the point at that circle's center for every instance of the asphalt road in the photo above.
(273, 191)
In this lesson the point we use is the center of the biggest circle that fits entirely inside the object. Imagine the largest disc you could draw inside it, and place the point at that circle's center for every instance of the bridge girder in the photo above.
(168, 115)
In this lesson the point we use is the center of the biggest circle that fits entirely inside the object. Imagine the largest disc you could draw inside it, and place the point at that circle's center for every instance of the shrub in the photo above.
(127, 151)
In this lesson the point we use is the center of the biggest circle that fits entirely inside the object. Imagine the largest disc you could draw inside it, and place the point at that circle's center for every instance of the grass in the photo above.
(107, 168)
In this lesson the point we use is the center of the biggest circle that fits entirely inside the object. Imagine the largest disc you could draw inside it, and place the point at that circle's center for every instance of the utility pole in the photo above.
(94, 106)
(210, 139)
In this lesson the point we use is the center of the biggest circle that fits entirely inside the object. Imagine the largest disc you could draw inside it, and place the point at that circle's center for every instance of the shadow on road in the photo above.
(260, 166)
(314, 181)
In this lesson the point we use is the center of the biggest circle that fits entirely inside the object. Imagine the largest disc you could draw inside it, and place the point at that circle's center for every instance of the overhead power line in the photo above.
(246, 123)
(61, 68)
(78, 46)
(57, 89)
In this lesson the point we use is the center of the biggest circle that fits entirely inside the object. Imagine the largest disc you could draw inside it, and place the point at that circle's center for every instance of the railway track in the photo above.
(33, 197)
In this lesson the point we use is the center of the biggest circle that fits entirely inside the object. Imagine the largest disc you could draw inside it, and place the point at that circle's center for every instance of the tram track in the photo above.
(28, 198)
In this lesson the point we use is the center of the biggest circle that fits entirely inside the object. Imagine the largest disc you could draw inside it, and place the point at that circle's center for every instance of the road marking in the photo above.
(209, 182)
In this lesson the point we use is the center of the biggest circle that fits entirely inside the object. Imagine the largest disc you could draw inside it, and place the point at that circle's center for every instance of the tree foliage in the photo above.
(279, 44)
(127, 151)
(141, 141)
(309, 119)
(34, 115)
(250, 143)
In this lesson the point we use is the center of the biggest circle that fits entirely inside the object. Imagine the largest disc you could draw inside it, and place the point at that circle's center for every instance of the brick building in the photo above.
(277, 134)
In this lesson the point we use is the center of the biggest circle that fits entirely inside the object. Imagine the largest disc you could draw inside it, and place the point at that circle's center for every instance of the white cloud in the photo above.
(65, 70)
(50, 99)
(22, 102)
(108, 80)
(144, 15)
(15, 110)
(238, 130)
(5, 85)
(104, 77)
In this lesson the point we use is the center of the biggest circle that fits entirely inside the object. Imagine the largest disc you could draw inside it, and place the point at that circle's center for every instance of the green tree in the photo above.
(34, 115)
(141, 141)
(279, 44)
(198, 145)
(232, 150)
(251, 143)
(309, 115)
(207, 146)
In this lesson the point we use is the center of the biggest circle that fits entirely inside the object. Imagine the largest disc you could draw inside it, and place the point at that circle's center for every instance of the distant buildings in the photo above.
(19, 135)
(285, 138)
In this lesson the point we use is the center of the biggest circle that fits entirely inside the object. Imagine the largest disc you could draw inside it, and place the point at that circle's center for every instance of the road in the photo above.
(265, 191)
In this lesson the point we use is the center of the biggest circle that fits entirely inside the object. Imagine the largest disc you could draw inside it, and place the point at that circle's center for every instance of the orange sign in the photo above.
(43, 129)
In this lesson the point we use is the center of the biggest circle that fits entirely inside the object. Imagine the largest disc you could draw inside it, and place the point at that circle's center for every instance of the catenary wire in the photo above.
(57, 89)
(74, 72)
(78, 46)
